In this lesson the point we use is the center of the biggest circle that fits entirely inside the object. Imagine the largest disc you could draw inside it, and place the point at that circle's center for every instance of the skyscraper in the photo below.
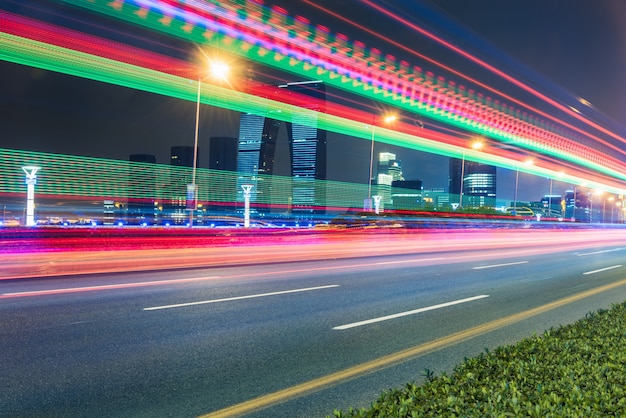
(223, 153)
(389, 170)
(307, 148)
(479, 183)
(180, 156)
(223, 185)
(142, 189)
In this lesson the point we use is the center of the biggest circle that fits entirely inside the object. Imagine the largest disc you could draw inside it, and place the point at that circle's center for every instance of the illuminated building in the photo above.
(389, 170)
(142, 208)
(552, 205)
(223, 153)
(479, 182)
(407, 194)
(223, 157)
(577, 206)
(307, 148)
(175, 209)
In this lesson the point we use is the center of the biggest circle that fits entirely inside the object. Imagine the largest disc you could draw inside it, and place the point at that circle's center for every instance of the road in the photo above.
(283, 339)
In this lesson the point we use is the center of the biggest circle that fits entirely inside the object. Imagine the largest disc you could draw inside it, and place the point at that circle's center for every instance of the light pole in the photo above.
(219, 71)
(31, 180)
(475, 145)
(386, 119)
(528, 161)
(247, 189)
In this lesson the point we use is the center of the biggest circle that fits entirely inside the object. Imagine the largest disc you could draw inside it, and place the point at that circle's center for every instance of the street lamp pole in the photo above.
(550, 200)
(462, 175)
(477, 144)
(369, 184)
(515, 194)
(386, 119)
(528, 161)
(194, 187)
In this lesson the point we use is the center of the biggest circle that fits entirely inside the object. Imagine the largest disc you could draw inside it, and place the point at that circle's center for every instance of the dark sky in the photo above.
(568, 48)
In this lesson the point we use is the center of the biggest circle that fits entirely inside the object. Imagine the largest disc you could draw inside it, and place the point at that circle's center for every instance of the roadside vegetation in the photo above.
(577, 370)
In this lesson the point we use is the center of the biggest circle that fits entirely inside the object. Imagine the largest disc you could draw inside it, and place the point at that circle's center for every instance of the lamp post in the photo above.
(31, 181)
(475, 145)
(219, 71)
(386, 119)
(528, 161)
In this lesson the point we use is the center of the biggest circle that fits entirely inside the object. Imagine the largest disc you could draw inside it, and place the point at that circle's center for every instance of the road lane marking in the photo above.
(104, 287)
(387, 361)
(603, 269)
(416, 260)
(260, 295)
(407, 313)
(499, 265)
(599, 252)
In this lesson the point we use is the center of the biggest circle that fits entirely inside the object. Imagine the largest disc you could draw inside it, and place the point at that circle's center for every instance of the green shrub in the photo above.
(578, 370)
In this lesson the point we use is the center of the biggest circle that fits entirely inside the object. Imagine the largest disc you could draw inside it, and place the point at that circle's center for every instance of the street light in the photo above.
(386, 119)
(219, 71)
(31, 180)
(527, 162)
(474, 145)
(598, 193)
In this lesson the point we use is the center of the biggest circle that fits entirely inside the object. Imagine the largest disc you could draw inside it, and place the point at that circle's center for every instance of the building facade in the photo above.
(307, 148)
(479, 183)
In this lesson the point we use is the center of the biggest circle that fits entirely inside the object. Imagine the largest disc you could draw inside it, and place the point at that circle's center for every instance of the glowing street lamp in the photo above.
(218, 71)
(386, 119)
(31, 180)
(474, 145)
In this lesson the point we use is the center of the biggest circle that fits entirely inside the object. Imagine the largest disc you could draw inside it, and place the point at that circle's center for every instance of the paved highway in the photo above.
(282, 339)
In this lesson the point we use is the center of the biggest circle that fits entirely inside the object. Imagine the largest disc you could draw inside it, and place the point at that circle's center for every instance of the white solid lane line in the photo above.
(417, 260)
(260, 295)
(604, 269)
(599, 252)
(401, 314)
(499, 265)
(105, 287)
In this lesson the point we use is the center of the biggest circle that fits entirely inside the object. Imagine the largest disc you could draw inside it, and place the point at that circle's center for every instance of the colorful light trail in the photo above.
(270, 37)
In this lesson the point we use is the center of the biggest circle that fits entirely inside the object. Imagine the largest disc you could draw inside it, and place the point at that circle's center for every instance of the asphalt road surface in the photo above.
(282, 339)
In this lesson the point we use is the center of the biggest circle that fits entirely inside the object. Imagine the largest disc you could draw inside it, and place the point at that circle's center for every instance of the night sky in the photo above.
(568, 48)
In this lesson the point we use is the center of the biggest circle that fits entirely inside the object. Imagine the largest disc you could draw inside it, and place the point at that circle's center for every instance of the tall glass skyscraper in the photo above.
(307, 148)
(479, 183)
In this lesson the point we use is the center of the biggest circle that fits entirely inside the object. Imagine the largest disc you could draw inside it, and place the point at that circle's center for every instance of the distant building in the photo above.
(577, 207)
(552, 205)
(389, 170)
(142, 206)
(223, 187)
(437, 198)
(223, 153)
(182, 156)
(407, 194)
(307, 146)
(175, 207)
(479, 183)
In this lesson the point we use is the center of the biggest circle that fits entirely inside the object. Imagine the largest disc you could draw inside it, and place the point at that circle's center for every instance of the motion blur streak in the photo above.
(463, 76)
(421, 93)
(327, 245)
(496, 71)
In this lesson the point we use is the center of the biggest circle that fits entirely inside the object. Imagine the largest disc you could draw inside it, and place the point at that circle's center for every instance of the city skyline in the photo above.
(91, 118)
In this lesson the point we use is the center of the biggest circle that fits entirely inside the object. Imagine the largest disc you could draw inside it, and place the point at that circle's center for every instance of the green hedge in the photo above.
(578, 370)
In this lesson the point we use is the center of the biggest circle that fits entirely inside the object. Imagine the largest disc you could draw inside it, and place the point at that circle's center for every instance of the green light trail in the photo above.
(154, 19)
(49, 57)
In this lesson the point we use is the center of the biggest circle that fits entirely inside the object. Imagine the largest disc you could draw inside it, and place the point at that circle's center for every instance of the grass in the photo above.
(577, 370)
